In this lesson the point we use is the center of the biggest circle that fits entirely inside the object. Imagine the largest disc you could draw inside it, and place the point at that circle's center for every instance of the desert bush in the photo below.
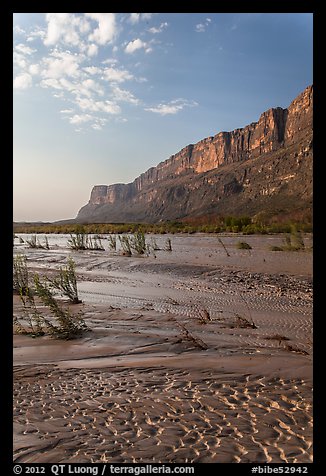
(32, 322)
(20, 275)
(242, 245)
(125, 245)
(168, 245)
(94, 243)
(83, 241)
(138, 242)
(66, 326)
(34, 242)
(276, 248)
(78, 241)
(154, 244)
(112, 242)
(291, 242)
(66, 282)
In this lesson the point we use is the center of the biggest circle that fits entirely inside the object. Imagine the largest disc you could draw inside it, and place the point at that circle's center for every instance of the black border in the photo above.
(278, 6)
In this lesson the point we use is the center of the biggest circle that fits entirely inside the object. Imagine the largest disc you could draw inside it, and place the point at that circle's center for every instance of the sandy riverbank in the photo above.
(156, 381)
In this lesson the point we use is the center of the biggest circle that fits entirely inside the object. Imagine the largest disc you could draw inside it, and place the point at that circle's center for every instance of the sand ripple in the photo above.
(159, 415)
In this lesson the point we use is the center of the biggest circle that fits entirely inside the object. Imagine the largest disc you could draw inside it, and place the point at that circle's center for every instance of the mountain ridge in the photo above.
(266, 165)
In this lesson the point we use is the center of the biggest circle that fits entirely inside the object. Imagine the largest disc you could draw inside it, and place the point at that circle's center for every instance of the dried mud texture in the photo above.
(160, 415)
(192, 356)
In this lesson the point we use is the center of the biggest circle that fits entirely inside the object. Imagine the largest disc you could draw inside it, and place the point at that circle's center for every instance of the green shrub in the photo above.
(66, 326)
(20, 275)
(125, 245)
(242, 245)
(276, 248)
(66, 282)
(138, 242)
(83, 241)
(34, 242)
(112, 242)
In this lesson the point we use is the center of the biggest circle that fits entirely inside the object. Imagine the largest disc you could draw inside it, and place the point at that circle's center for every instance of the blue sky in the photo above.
(98, 98)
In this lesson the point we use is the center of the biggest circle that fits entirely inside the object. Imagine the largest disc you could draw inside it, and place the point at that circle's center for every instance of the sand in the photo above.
(170, 370)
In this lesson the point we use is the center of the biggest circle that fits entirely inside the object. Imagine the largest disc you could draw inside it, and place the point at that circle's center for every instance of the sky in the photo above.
(99, 98)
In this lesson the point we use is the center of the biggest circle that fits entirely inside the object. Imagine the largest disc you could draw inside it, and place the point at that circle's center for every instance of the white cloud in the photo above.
(110, 61)
(117, 75)
(25, 50)
(80, 118)
(88, 87)
(123, 95)
(38, 33)
(67, 111)
(19, 60)
(18, 30)
(92, 70)
(97, 127)
(136, 17)
(34, 69)
(23, 81)
(200, 27)
(60, 64)
(51, 83)
(159, 29)
(106, 31)
(62, 27)
(136, 44)
(87, 104)
(171, 107)
(92, 50)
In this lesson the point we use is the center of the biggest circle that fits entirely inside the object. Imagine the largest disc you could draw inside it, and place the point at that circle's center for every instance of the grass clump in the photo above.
(66, 282)
(66, 326)
(34, 242)
(243, 245)
(125, 245)
(34, 322)
(291, 242)
(61, 324)
(168, 245)
(138, 242)
(112, 239)
(83, 241)
(20, 275)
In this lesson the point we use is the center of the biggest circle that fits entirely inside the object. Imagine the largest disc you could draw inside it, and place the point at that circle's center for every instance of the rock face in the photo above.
(265, 166)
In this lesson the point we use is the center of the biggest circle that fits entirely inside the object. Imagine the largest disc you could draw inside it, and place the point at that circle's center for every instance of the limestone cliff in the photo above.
(265, 164)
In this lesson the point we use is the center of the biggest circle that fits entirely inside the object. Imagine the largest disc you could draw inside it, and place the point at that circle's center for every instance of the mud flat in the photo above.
(192, 356)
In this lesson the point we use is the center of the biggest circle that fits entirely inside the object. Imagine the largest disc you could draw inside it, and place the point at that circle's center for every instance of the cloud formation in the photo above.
(23, 81)
(106, 30)
(84, 59)
(201, 27)
(137, 44)
(172, 107)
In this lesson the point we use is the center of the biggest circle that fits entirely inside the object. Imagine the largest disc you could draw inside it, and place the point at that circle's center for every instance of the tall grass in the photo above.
(66, 282)
(34, 242)
(83, 241)
(20, 275)
(61, 323)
